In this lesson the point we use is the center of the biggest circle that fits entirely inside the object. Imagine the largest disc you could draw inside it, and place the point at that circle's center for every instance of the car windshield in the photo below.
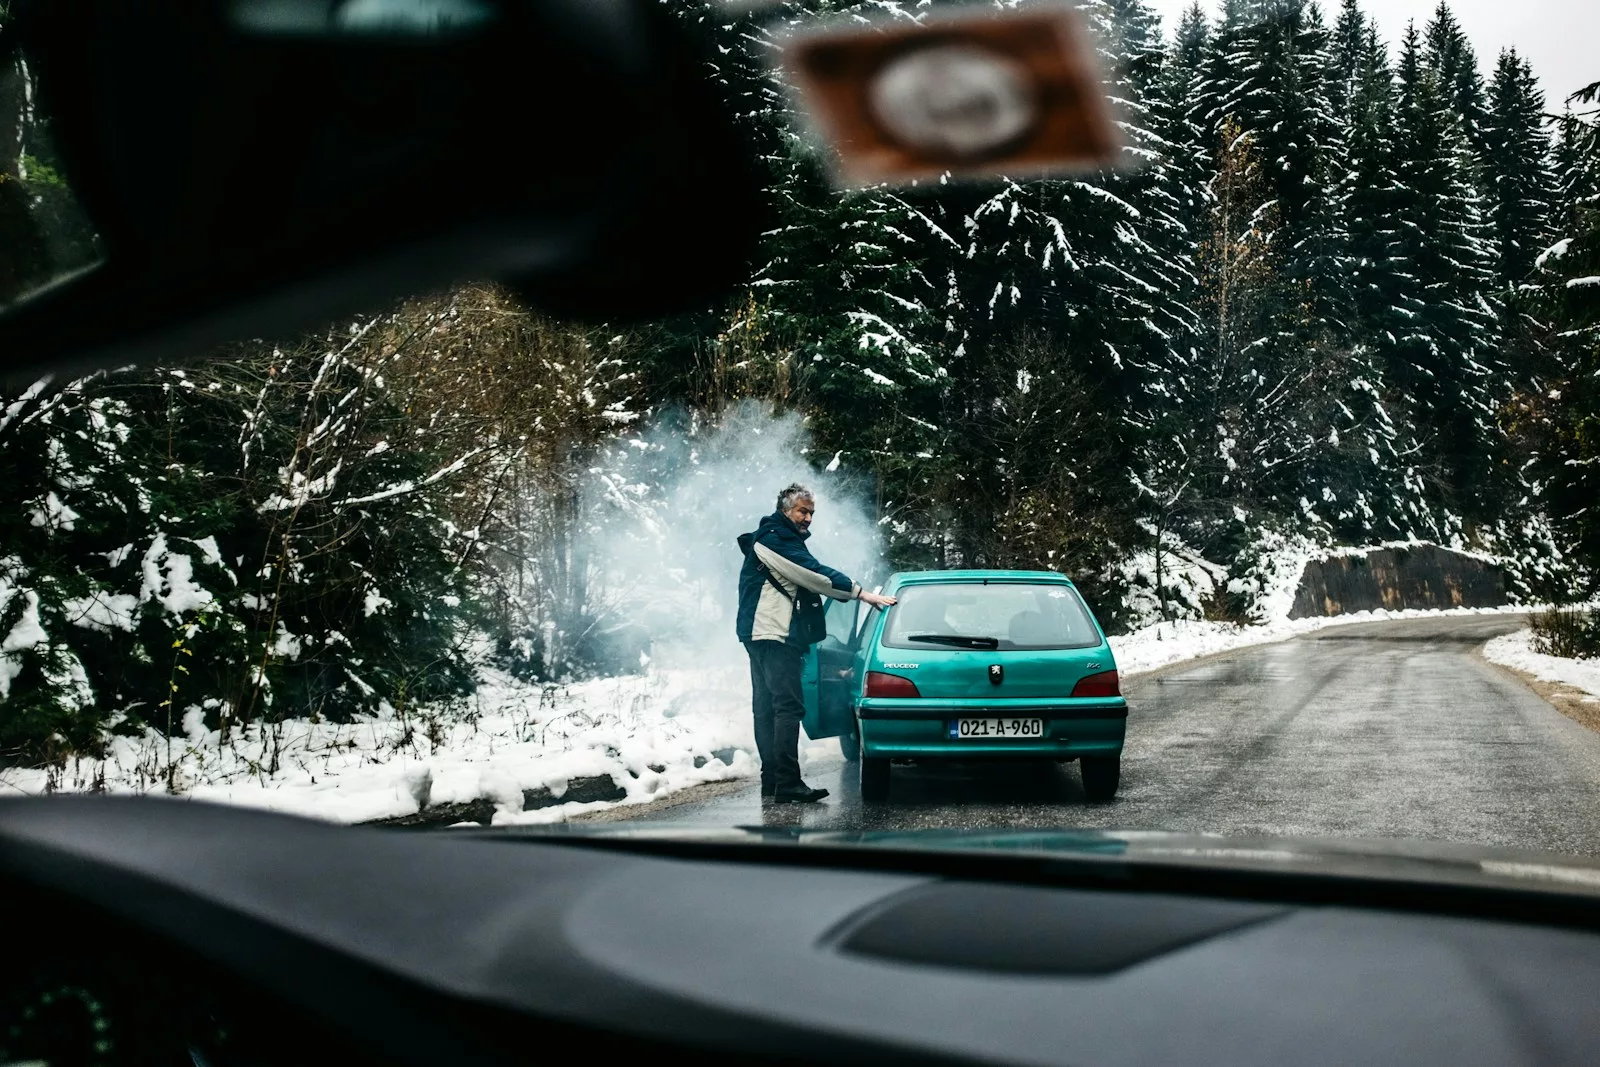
(1297, 404)
(1013, 615)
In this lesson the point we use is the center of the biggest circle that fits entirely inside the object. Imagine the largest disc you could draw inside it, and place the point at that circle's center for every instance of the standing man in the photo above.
(777, 580)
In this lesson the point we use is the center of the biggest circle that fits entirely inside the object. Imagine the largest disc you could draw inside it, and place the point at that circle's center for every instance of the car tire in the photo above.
(850, 745)
(874, 780)
(1101, 774)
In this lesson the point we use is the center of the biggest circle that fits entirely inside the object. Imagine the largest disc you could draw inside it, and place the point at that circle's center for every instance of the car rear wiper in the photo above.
(959, 640)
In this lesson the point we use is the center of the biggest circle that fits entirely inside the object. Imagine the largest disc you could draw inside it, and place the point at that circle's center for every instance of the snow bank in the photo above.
(652, 734)
(1516, 650)
(1153, 647)
(1269, 584)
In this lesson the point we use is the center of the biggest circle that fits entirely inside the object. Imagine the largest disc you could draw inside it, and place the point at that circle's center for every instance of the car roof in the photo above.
(900, 578)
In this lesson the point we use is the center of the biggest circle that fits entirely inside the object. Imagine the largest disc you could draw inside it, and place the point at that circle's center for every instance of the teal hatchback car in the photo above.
(969, 664)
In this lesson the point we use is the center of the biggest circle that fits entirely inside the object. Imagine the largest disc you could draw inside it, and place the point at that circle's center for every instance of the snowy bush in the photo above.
(1267, 572)
(230, 539)
(1174, 583)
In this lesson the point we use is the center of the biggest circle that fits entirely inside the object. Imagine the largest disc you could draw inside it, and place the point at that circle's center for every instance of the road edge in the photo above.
(1569, 700)
(1206, 657)
(687, 795)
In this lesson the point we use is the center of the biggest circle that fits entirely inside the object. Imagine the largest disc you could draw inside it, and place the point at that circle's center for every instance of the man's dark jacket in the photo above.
(765, 614)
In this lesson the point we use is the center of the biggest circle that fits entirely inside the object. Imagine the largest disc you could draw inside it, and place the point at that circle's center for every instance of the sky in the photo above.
(1561, 38)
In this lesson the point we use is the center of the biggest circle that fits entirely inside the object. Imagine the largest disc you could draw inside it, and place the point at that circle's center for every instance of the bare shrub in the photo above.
(1572, 633)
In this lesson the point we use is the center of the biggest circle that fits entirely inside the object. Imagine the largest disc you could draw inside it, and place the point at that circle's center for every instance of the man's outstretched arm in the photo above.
(806, 572)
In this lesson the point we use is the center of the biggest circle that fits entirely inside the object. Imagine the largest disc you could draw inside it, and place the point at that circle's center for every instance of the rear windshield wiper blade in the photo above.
(959, 640)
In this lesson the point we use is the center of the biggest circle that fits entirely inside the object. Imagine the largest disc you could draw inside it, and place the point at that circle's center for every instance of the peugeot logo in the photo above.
(997, 674)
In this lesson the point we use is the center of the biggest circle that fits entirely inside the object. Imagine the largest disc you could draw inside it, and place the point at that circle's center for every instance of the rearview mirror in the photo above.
(250, 167)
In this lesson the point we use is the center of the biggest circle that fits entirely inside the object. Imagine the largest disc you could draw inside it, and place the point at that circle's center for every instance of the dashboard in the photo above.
(164, 931)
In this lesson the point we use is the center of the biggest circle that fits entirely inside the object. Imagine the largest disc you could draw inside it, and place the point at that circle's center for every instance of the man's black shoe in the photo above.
(767, 789)
(800, 796)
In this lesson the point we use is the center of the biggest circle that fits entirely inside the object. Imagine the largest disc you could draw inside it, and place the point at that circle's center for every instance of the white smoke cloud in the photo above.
(667, 507)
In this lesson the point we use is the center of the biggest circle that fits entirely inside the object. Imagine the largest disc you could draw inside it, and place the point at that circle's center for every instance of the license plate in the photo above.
(988, 729)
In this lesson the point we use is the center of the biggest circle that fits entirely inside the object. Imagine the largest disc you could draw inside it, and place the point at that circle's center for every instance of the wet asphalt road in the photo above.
(1392, 729)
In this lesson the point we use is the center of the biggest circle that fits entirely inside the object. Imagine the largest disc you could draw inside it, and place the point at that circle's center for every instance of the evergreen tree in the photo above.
(1271, 72)
(1090, 271)
(1564, 421)
(1517, 173)
(1442, 325)
(1368, 193)
(1181, 123)
(1168, 465)
(1288, 407)
(1450, 56)
(1379, 490)
(1521, 200)
(1347, 55)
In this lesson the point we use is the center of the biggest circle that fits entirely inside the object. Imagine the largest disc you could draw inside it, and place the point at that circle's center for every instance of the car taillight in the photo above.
(1104, 684)
(890, 685)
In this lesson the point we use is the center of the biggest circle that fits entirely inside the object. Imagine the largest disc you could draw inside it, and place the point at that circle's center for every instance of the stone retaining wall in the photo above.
(1419, 576)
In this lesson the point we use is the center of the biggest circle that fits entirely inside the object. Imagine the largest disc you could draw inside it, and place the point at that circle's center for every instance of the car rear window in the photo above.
(1018, 615)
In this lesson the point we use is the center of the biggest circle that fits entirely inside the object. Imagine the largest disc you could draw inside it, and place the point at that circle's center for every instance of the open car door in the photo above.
(828, 679)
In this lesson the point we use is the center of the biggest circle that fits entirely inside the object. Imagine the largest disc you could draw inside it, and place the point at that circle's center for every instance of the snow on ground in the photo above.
(1165, 643)
(653, 734)
(647, 732)
(1516, 650)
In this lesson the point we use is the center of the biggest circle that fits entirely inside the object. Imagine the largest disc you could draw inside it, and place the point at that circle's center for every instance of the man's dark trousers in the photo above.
(778, 707)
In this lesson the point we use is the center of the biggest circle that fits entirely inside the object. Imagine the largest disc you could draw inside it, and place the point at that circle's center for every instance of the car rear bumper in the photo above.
(1081, 708)
(1068, 733)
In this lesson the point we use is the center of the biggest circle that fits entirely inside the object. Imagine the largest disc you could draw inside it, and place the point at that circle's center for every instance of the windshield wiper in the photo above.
(959, 640)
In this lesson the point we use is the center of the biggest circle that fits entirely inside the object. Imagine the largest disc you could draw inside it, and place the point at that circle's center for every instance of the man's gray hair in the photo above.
(793, 495)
